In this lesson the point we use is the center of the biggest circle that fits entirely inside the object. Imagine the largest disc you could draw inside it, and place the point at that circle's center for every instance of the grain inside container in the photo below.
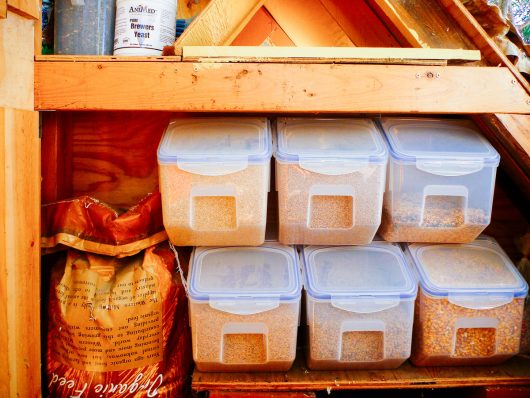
(470, 304)
(440, 181)
(360, 303)
(214, 179)
(244, 307)
(330, 176)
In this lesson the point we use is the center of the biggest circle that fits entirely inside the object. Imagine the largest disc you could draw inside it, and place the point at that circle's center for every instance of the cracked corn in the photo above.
(438, 342)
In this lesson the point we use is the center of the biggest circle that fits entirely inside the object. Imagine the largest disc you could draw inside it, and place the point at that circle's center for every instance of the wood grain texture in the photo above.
(308, 23)
(3, 9)
(19, 254)
(254, 87)
(240, 394)
(27, 8)
(480, 38)
(514, 372)
(519, 128)
(190, 8)
(262, 29)
(108, 155)
(360, 23)
(16, 62)
(251, 53)
(219, 23)
(424, 23)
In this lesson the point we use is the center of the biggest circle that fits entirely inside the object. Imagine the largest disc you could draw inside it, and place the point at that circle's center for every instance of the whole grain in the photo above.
(444, 220)
(332, 348)
(214, 350)
(334, 219)
(215, 220)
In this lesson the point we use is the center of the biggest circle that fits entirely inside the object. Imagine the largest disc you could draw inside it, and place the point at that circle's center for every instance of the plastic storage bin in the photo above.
(84, 27)
(244, 308)
(214, 179)
(330, 176)
(360, 304)
(470, 304)
(440, 181)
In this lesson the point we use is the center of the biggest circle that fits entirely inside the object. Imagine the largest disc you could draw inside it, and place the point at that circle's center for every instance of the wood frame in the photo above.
(514, 372)
(257, 87)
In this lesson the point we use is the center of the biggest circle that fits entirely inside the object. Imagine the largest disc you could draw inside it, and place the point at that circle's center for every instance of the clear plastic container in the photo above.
(214, 179)
(360, 305)
(244, 308)
(440, 181)
(470, 304)
(330, 176)
(84, 27)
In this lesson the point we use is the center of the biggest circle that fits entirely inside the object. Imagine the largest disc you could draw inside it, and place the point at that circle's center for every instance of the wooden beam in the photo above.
(16, 62)
(105, 58)
(253, 54)
(262, 29)
(219, 23)
(308, 23)
(19, 254)
(3, 9)
(26, 8)
(360, 23)
(424, 23)
(519, 128)
(257, 87)
(513, 372)
(400, 23)
(189, 9)
(484, 43)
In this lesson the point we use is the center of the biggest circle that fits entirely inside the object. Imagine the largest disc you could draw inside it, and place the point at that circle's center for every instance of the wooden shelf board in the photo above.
(513, 372)
(271, 87)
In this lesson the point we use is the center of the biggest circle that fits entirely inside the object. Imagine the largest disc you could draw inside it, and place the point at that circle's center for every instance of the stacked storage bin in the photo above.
(361, 301)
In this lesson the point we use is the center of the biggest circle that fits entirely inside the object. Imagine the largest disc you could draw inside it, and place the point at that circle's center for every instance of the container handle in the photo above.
(212, 168)
(365, 304)
(243, 307)
(451, 168)
(480, 301)
(332, 167)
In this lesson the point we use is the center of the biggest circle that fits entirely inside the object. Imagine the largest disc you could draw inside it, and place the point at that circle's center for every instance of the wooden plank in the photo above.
(255, 394)
(16, 62)
(312, 26)
(254, 53)
(3, 9)
(219, 23)
(262, 29)
(514, 372)
(482, 41)
(19, 254)
(105, 58)
(255, 87)
(190, 8)
(424, 23)
(519, 128)
(108, 155)
(27, 8)
(360, 23)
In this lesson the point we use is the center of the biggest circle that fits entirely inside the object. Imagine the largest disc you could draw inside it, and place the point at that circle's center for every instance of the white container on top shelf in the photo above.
(330, 176)
(214, 179)
(360, 306)
(244, 307)
(440, 181)
(470, 304)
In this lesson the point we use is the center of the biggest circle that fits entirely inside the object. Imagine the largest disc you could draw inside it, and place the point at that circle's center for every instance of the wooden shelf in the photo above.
(111, 83)
(513, 372)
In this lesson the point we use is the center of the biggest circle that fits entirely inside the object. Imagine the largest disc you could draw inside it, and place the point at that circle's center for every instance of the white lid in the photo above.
(216, 140)
(422, 138)
(474, 268)
(306, 140)
(378, 269)
(267, 271)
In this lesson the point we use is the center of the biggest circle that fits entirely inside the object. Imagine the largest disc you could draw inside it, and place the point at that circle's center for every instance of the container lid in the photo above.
(378, 269)
(474, 268)
(300, 139)
(421, 138)
(216, 139)
(267, 271)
